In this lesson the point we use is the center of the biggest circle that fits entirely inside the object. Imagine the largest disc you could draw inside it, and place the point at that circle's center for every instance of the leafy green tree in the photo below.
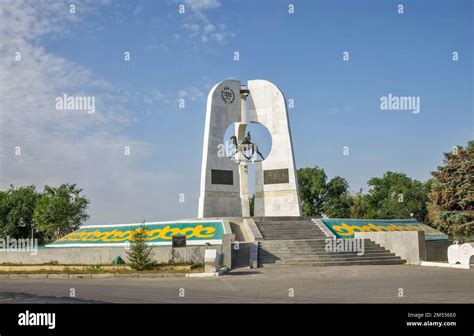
(312, 189)
(359, 205)
(252, 205)
(140, 255)
(337, 198)
(395, 195)
(451, 200)
(319, 197)
(17, 205)
(60, 210)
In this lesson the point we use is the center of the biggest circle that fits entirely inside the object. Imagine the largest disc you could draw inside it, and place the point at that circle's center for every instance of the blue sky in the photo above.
(182, 55)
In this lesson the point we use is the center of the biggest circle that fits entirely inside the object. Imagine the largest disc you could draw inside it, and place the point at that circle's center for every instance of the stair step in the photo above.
(292, 237)
(280, 230)
(309, 246)
(338, 263)
(290, 228)
(323, 240)
(298, 241)
(316, 254)
(304, 246)
(281, 218)
(287, 224)
(329, 258)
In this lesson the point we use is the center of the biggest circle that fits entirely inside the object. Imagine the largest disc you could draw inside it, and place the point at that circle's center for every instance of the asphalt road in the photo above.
(348, 284)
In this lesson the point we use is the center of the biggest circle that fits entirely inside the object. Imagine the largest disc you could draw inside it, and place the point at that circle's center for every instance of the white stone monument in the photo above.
(276, 190)
(224, 182)
(220, 180)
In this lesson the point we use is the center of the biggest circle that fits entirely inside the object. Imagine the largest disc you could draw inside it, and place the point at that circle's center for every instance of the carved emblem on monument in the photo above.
(228, 95)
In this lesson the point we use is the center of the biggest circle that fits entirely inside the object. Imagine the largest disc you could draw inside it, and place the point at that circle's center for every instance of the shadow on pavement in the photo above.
(16, 297)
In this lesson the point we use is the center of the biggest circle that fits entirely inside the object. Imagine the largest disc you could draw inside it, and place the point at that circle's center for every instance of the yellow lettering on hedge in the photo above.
(343, 230)
(117, 236)
(164, 233)
(188, 232)
(199, 229)
(153, 234)
(346, 230)
(172, 231)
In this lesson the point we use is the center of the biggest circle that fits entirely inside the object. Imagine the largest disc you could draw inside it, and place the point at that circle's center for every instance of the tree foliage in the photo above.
(320, 197)
(337, 198)
(395, 196)
(60, 210)
(359, 205)
(392, 196)
(140, 255)
(17, 205)
(451, 200)
(252, 205)
(312, 188)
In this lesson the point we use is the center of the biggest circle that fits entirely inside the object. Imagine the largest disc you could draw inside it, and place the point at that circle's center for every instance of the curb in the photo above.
(79, 276)
(220, 272)
(37, 276)
(443, 264)
(104, 275)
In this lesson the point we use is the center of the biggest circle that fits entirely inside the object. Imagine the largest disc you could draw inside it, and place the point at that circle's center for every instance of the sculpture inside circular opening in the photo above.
(253, 144)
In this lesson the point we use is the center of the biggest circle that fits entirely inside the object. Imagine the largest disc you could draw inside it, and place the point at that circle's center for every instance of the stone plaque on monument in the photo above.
(275, 176)
(222, 176)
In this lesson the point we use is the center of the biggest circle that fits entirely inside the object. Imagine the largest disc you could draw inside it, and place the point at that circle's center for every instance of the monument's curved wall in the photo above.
(276, 190)
(220, 181)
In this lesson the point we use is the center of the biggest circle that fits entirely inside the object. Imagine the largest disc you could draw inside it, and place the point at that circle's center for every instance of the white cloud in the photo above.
(156, 46)
(219, 36)
(193, 28)
(137, 10)
(209, 28)
(202, 4)
(72, 146)
(200, 27)
(192, 93)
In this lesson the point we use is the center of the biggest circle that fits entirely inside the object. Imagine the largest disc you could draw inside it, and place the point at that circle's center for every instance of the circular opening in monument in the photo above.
(260, 139)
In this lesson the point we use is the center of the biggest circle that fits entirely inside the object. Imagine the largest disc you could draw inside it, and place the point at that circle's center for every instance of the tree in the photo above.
(395, 195)
(359, 205)
(337, 198)
(140, 255)
(60, 210)
(252, 205)
(312, 189)
(17, 205)
(319, 197)
(451, 200)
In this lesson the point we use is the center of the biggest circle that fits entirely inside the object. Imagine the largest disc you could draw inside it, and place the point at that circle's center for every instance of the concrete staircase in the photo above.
(298, 241)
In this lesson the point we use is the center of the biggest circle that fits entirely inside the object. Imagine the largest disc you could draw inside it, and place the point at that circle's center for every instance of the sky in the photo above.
(177, 55)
